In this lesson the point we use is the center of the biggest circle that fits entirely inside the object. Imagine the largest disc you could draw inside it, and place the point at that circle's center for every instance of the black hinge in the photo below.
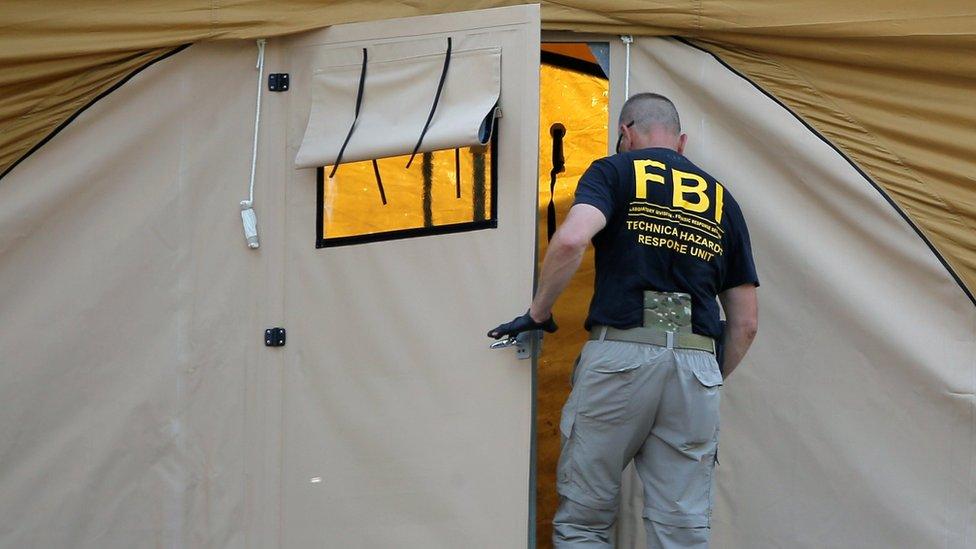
(278, 82)
(274, 337)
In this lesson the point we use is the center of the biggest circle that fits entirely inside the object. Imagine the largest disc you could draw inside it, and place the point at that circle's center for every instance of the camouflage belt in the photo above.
(667, 322)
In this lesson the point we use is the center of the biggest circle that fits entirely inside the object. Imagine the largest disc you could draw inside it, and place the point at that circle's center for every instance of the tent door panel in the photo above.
(400, 427)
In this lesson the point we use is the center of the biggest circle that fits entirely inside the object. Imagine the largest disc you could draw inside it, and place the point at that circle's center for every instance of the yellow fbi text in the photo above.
(684, 226)
(689, 189)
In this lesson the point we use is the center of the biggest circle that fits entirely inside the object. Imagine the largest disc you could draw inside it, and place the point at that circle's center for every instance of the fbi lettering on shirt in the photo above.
(676, 210)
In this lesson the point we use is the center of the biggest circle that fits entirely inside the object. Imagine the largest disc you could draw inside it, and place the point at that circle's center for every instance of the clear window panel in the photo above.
(419, 199)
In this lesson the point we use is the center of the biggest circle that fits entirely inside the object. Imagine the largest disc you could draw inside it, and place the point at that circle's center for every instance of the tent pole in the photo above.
(627, 40)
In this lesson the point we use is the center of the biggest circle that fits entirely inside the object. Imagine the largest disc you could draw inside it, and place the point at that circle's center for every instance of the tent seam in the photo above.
(214, 19)
(700, 15)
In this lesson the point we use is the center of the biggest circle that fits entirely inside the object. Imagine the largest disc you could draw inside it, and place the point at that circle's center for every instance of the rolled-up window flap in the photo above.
(388, 123)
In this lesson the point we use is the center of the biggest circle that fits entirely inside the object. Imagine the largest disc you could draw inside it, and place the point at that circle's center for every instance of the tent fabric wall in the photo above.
(851, 421)
(132, 350)
(889, 84)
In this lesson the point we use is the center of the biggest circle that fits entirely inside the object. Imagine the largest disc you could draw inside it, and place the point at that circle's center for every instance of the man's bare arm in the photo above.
(563, 256)
(741, 306)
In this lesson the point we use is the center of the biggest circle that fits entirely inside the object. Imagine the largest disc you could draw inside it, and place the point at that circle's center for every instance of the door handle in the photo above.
(525, 344)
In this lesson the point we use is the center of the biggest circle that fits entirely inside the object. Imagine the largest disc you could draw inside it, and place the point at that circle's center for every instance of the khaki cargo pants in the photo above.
(657, 406)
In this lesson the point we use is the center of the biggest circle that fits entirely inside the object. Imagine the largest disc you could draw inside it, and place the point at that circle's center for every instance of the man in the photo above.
(669, 239)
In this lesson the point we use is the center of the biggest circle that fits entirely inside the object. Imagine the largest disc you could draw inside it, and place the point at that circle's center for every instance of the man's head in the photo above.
(649, 120)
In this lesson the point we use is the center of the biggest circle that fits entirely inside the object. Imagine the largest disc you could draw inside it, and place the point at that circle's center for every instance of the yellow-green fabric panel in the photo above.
(890, 84)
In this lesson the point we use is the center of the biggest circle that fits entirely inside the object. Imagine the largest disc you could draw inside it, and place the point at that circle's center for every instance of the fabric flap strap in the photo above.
(359, 103)
(433, 108)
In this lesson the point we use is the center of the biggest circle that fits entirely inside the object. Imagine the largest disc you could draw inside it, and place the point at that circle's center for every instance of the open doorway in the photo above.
(573, 116)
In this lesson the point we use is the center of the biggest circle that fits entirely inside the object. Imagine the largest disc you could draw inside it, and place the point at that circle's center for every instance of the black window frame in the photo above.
(571, 63)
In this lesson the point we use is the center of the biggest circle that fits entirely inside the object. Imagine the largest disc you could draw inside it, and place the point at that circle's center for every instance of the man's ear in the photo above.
(626, 132)
(682, 139)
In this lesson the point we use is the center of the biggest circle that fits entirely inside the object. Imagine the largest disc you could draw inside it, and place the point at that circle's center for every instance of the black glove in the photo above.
(521, 324)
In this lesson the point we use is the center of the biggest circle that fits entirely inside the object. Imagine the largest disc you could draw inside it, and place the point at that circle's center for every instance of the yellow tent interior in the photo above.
(580, 102)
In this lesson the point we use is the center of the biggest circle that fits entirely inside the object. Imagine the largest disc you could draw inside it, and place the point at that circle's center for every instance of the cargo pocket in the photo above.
(564, 467)
(568, 415)
(703, 397)
(572, 378)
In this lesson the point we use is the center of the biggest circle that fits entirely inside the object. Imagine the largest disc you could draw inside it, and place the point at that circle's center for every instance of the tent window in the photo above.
(444, 191)
(401, 136)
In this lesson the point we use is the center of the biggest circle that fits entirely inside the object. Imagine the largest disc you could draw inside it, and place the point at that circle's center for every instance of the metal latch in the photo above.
(525, 343)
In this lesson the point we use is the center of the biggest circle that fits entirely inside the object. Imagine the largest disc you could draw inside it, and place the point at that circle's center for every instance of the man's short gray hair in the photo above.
(647, 110)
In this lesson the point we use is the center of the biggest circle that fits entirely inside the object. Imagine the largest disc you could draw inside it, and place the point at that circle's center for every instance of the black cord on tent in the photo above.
(427, 170)
(479, 190)
(379, 181)
(557, 131)
(437, 97)
(457, 173)
(359, 102)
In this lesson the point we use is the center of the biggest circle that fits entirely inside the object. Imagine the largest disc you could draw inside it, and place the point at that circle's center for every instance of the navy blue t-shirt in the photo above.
(670, 228)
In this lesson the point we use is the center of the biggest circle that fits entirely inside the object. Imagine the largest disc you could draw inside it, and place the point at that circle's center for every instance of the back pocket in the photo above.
(707, 373)
(606, 390)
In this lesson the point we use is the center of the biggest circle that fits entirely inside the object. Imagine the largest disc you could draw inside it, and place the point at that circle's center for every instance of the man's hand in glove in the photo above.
(521, 324)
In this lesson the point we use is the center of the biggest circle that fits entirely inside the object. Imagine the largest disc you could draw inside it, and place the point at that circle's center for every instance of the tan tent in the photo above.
(143, 405)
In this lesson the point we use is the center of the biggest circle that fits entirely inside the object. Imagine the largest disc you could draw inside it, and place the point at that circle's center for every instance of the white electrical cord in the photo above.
(248, 216)
(627, 40)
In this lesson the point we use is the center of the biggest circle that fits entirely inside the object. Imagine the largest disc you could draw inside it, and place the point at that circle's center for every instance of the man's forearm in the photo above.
(564, 255)
(561, 262)
(737, 339)
(742, 310)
